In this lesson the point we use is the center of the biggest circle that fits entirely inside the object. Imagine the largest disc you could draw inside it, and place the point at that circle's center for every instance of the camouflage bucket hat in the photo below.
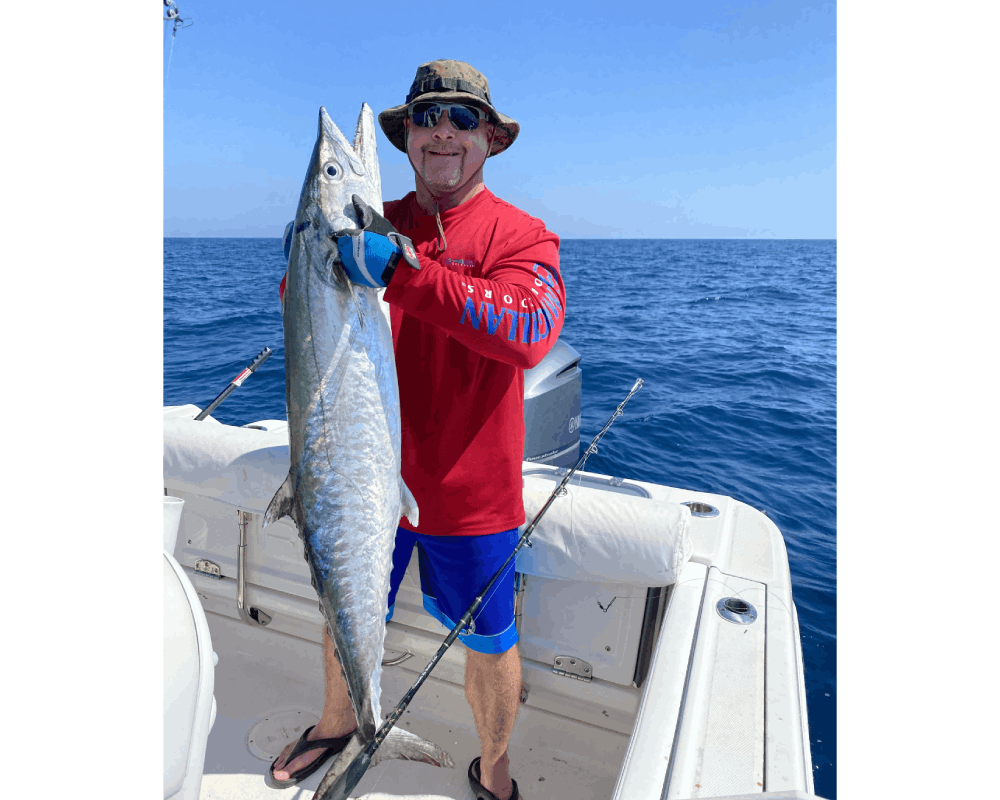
(450, 82)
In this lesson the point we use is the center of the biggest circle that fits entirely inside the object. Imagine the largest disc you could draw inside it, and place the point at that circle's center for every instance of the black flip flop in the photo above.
(330, 748)
(481, 792)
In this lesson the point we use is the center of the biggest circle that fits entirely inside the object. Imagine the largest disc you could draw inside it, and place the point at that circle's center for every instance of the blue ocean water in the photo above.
(736, 343)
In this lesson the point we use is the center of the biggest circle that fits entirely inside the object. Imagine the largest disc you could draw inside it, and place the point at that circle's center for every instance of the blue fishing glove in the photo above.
(372, 253)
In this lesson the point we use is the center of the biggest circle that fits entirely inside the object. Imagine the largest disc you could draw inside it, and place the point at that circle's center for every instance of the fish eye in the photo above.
(333, 170)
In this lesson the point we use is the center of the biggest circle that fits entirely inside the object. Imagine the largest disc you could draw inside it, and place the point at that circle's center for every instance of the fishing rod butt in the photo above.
(262, 356)
(259, 359)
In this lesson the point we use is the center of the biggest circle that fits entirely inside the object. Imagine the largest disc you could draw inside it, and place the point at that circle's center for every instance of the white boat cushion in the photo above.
(604, 536)
(589, 535)
(241, 467)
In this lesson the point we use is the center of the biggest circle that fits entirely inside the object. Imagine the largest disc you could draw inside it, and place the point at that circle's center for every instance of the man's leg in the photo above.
(493, 689)
(338, 716)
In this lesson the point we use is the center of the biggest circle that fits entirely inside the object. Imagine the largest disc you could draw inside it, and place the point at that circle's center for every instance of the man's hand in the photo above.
(372, 252)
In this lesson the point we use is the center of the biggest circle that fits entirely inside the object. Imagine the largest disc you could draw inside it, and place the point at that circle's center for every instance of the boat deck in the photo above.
(721, 710)
(251, 685)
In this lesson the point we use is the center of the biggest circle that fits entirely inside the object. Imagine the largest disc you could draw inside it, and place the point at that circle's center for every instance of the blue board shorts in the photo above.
(453, 571)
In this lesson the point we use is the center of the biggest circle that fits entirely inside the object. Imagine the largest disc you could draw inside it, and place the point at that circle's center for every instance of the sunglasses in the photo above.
(465, 118)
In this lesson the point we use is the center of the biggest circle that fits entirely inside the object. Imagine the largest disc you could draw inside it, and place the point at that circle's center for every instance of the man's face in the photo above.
(445, 157)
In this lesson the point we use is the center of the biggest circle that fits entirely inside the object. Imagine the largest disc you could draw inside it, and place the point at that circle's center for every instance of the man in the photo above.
(481, 301)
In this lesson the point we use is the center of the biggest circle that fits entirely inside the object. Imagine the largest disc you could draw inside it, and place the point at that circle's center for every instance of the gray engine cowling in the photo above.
(552, 408)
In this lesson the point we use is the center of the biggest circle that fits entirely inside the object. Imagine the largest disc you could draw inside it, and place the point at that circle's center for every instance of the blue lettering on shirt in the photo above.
(551, 302)
(547, 320)
(545, 275)
(471, 313)
(493, 320)
(534, 325)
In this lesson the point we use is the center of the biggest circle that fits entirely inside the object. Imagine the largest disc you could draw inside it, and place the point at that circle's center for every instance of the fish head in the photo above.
(338, 170)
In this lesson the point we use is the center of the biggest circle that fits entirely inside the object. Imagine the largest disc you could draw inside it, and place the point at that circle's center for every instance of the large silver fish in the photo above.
(344, 489)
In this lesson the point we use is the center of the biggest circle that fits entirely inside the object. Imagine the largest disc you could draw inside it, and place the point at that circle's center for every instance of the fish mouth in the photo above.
(362, 212)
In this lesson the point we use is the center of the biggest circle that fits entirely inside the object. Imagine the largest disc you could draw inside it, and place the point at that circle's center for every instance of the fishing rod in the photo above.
(362, 761)
(262, 356)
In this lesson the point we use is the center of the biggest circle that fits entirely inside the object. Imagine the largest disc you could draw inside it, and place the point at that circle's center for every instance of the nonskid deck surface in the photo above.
(261, 674)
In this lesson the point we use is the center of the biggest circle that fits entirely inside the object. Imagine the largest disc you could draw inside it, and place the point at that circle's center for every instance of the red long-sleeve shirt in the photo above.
(465, 326)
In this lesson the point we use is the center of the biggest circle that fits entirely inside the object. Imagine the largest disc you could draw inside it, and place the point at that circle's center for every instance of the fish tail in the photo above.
(337, 784)
(408, 746)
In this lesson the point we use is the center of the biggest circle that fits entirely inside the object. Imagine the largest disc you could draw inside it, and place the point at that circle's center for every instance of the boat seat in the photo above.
(189, 683)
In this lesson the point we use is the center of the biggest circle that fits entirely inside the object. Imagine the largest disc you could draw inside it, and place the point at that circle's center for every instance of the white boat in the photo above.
(636, 686)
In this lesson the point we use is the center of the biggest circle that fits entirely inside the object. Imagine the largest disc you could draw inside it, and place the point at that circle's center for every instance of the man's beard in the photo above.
(446, 178)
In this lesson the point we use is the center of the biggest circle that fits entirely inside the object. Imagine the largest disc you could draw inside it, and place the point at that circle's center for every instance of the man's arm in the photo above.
(513, 314)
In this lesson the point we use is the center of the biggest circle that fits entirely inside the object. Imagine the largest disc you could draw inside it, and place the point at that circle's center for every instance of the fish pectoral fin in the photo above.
(338, 275)
(357, 306)
(408, 504)
(283, 503)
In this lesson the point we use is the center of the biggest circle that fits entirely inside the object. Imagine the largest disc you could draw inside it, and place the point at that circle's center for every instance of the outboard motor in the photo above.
(552, 408)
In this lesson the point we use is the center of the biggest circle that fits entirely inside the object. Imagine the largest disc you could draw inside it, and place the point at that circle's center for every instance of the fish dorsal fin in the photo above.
(365, 146)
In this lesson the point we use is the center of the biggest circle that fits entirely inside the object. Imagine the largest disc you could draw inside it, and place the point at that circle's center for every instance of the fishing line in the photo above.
(471, 627)
(173, 15)
(170, 58)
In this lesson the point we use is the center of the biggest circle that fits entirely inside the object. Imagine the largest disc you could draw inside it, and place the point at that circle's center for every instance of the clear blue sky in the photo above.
(710, 119)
